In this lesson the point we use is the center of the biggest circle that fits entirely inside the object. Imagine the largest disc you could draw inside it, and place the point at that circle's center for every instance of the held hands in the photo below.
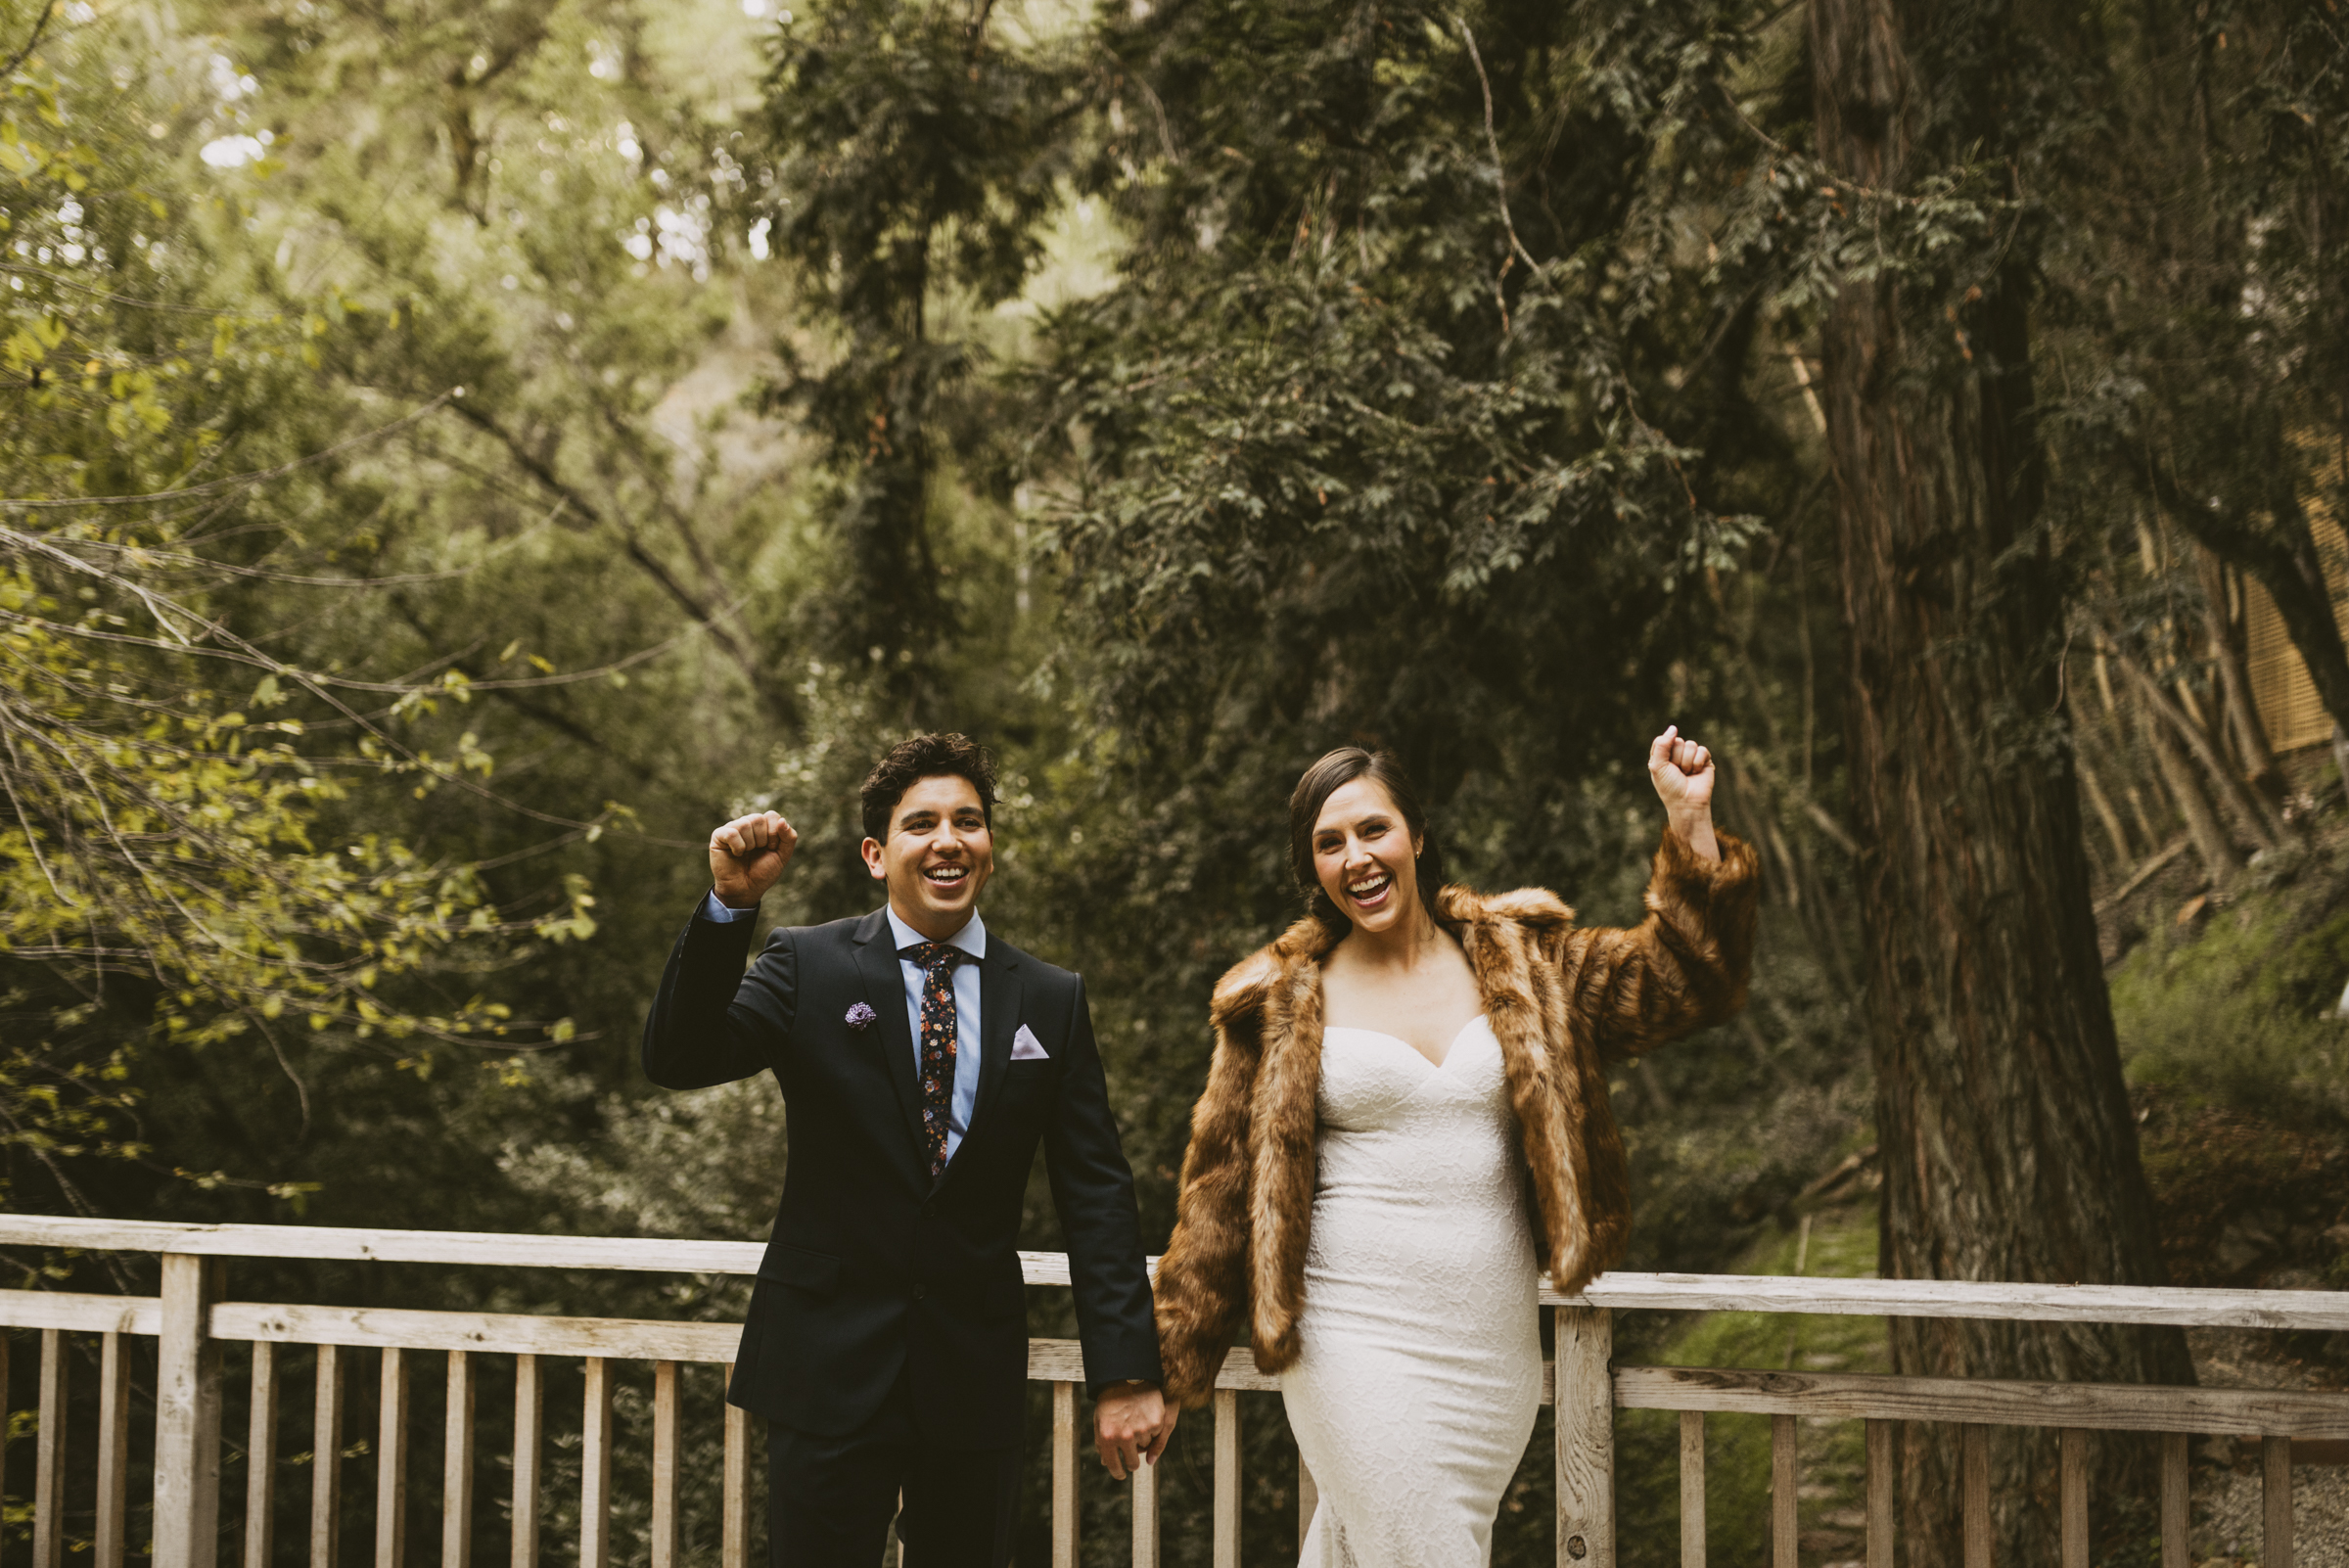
(1683, 773)
(748, 855)
(1131, 1424)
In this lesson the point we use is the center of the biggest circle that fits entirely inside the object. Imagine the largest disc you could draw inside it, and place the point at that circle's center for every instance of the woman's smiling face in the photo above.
(1364, 857)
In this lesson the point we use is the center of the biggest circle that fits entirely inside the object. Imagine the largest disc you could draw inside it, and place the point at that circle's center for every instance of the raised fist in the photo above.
(1681, 772)
(748, 855)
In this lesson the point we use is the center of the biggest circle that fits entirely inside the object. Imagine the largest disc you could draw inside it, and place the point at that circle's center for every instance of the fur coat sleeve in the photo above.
(1681, 969)
(1202, 1284)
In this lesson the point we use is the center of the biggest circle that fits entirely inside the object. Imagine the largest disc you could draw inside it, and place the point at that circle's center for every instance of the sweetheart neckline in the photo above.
(1451, 1046)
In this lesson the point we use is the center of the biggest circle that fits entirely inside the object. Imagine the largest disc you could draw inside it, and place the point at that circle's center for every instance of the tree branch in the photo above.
(30, 44)
(776, 699)
(1501, 180)
(2287, 568)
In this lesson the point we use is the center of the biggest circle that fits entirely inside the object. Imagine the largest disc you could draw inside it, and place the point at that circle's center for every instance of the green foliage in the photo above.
(915, 159)
(166, 838)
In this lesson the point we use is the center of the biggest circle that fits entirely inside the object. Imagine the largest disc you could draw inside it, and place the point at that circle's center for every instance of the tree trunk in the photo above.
(2249, 812)
(2212, 845)
(2009, 1152)
(2226, 646)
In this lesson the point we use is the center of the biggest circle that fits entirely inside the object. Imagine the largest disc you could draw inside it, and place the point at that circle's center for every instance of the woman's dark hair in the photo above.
(1325, 778)
(921, 756)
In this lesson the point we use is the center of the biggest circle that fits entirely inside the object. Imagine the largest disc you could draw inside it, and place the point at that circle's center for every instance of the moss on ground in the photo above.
(2235, 1008)
(2239, 1068)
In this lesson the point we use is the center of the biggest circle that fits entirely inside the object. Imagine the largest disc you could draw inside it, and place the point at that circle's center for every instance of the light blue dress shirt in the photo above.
(971, 939)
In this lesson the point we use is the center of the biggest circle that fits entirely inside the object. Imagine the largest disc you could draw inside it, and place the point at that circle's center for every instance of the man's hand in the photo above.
(748, 855)
(1683, 773)
(1131, 1424)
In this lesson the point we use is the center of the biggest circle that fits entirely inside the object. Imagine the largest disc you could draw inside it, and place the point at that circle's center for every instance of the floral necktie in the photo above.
(937, 961)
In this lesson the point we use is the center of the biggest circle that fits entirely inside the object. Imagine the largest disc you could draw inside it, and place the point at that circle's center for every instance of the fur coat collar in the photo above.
(1564, 1000)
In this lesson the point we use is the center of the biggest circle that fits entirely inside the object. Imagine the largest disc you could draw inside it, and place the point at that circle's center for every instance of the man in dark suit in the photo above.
(922, 1059)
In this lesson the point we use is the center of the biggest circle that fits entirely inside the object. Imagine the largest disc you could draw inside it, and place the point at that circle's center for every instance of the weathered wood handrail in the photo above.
(194, 1318)
(1766, 1293)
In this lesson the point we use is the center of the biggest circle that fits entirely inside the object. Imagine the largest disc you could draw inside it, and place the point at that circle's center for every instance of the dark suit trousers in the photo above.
(830, 1498)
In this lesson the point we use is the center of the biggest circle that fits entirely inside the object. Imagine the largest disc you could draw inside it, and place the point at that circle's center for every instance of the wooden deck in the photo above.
(194, 1324)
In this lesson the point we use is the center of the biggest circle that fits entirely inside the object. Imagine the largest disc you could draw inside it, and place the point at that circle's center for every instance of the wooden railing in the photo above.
(193, 1321)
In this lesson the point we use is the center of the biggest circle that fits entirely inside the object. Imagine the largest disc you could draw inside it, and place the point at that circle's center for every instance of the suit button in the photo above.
(917, 1293)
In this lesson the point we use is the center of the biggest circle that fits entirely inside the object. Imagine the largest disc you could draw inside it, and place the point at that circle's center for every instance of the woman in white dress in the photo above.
(1405, 1111)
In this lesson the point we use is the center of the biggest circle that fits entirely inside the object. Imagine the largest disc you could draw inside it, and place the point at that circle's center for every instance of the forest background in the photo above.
(457, 455)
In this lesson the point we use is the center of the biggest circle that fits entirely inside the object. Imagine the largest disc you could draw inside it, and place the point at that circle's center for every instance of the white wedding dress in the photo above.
(1414, 1391)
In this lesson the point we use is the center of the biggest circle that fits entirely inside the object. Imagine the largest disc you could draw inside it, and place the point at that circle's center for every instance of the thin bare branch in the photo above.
(777, 700)
(1501, 173)
(33, 42)
(234, 482)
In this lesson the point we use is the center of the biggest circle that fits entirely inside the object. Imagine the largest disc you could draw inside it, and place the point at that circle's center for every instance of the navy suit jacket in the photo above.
(875, 1271)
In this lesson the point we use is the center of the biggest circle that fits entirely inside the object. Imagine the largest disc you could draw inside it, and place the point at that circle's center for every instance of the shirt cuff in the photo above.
(712, 909)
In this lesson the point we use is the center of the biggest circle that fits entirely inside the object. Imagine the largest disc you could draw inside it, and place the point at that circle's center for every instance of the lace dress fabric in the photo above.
(1420, 1370)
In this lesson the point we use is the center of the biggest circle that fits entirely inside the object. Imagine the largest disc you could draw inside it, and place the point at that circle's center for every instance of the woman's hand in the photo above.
(1130, 1427)
(1683, 773)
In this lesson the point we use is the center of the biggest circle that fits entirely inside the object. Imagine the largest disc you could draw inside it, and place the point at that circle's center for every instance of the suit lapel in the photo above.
(885, 993)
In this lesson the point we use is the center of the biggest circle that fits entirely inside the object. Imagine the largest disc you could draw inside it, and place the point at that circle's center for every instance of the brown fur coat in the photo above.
(1562, 999)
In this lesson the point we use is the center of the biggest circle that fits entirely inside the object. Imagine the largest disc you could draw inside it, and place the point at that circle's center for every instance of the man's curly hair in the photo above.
(921, 756)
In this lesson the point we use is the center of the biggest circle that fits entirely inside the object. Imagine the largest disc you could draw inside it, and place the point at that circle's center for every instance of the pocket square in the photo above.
(1025, 1047)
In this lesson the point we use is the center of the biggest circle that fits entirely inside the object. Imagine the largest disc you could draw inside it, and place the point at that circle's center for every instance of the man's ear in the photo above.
(871, 850)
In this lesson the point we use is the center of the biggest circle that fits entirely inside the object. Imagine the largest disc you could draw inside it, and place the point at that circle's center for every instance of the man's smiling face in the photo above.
(939, 854)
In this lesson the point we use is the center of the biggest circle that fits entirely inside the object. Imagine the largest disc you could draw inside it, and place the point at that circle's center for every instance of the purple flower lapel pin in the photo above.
(860, 1016)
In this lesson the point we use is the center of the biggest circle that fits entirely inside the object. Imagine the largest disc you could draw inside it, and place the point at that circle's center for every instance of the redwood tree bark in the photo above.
(2009, 1148)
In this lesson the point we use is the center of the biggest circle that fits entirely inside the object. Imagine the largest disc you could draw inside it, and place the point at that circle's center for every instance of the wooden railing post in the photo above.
(114, 1451)
(187, 1417)
(456, 1465)
(2175, 1507)
(1692, 1488)
(1783, 1518)
(261, 1458)
(49, 1461)
(1585, 1434)
(2276, 1502)
(1145, 1515)
(1064, 1475)
(530, 1420)
(666, 1402)
(1882, 1474)
(1225, 1523)
(392, 1461)
(326, 1459)
(1973, 1484)
(2071, 1483)
(734, 1489)
(595, 1467)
